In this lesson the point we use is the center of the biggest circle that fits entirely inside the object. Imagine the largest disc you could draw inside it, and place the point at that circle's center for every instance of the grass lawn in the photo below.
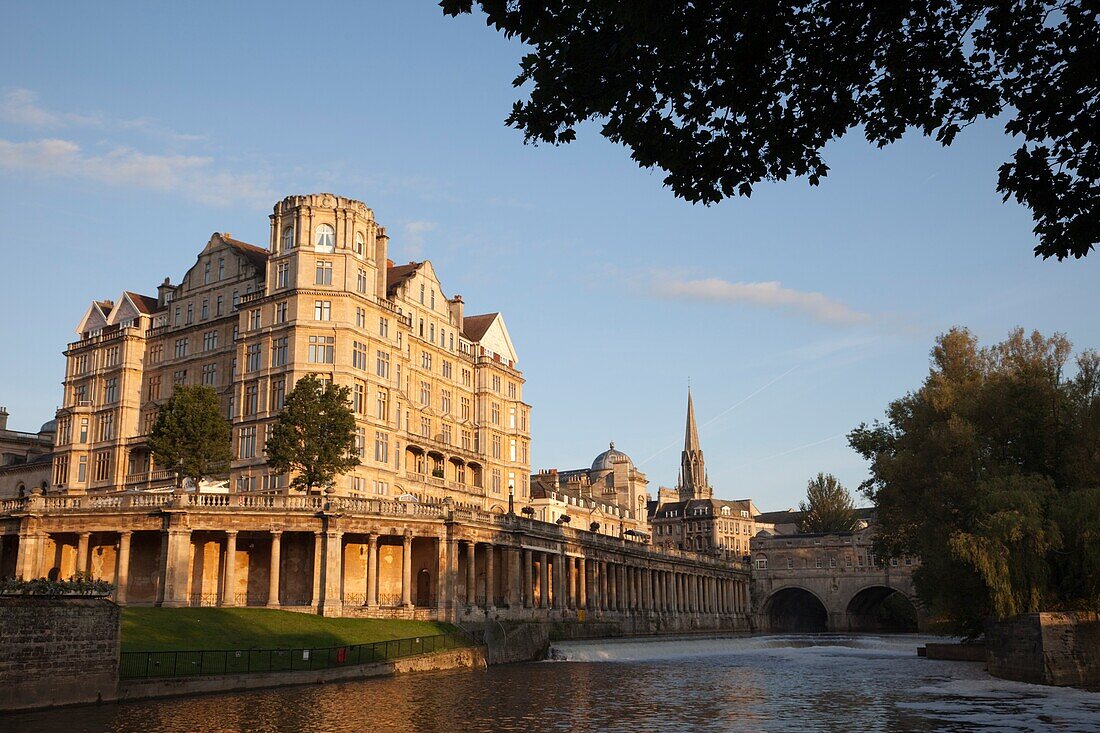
(166, 629)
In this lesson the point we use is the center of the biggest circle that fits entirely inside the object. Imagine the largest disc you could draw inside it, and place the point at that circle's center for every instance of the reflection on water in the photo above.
(746, 683)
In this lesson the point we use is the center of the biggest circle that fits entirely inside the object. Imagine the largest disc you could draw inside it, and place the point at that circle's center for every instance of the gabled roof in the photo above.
(398, 274)
(256, 256)
(143, 303)
(474, 327)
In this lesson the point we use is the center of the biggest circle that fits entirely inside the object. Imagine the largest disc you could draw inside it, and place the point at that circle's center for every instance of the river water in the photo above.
(738, 683)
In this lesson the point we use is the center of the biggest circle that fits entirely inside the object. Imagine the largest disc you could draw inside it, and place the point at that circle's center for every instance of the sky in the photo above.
(131, 132)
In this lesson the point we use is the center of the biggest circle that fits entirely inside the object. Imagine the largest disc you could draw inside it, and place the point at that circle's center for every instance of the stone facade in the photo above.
(57, 651)
(437, 395)
(688, 517)
(1048, 648)
(25, 459)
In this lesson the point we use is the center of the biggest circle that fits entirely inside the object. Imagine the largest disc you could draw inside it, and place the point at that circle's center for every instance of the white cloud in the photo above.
(763, 294)
(412, 243)
(191, 175)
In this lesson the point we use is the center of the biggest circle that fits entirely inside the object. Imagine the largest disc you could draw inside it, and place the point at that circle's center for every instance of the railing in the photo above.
(143, 665)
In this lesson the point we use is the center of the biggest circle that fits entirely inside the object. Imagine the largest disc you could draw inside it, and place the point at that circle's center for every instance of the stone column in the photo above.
(490, 578)
(442, 547)
(514, 576)
(334, 571)
(229, 582)
(544, 580)
(162, 567)
(471, 577)
(406, 571)
(527, 571)
(275, 566)
(177, 567)
(315, 599)
(82, 552)
(122, 573)
(570, 582)
(371, 600)
(559, 593)
(582, 600)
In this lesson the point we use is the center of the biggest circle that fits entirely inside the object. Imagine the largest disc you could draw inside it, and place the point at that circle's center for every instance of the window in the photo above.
(252, 358)
(445, 401)
(422, 302)
(102, 466)
(282, 275)
(382, 447)
(278, 393)
(235, 299)
(110, 390)
(181, 348)
(111, 357)
(496, 446)
(512, 450)
(426, 427)
(247, 448)
(179, 376)
(762, 562)
(205, 313)
(425, 393)
(280, 312)
(512, 425)
(464, 412)
(383, 404)
(447, 367)
(360, 443)
(426, 360)
(496, 382)
(279, 351)
(359, 245)
(322, 310)
(817, 562)
(324, 272)
(106, 426)
(359, 398)
(511, 390)
(359, 355)
(152, 390)
(210, 374)
(176, 316)
(210, 340)
(382, 365)
(255, 319)
(251, 399)
(190, 313)
(61, 470)
(325, 239)
(495, 413)
(466, 377)
(832, 562)
(221, 268)
(381, 488)
(219, 305)
(361, 281)
(496, 481)
(384, 327)
(321, 349)
(83, 430)
(446, 433)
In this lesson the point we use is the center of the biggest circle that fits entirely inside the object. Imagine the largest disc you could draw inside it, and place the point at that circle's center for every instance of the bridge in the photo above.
(831, 582)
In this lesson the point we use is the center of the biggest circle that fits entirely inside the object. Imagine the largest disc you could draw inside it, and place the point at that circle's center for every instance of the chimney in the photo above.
(381, 262)
(3, 418)
(458, 311)
(162, 292)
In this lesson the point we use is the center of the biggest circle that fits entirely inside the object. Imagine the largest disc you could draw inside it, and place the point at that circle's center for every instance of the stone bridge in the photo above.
(831, 582)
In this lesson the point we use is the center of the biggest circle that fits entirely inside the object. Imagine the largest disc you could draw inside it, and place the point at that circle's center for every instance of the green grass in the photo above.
(168, 629)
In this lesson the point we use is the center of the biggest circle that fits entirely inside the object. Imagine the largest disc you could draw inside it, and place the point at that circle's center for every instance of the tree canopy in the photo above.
(828, 506)
(191, 437)
(990, 472)
(724, 95)
(314, 436)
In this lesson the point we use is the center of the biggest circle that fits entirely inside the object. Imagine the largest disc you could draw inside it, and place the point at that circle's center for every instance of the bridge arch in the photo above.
(879, 607)
(794, 609)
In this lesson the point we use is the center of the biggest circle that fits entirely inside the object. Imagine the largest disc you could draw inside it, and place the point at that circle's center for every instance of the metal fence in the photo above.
(141, 665)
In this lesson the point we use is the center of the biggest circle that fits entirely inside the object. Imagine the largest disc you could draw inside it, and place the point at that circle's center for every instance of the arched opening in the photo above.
(794, 610)
(423, 588)
(879, 608)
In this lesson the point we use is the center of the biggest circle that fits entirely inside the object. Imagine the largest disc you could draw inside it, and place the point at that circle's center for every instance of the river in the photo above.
(738, 683)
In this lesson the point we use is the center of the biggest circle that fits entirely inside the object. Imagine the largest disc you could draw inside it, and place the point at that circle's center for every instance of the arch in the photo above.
(324, 238)
(287, 242)
(796, 610)
(881, 608)
(423, 588)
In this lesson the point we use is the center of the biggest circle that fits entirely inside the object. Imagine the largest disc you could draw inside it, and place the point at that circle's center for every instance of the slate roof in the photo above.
(474, 327)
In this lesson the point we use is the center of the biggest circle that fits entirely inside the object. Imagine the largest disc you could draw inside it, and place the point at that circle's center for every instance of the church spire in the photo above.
(693, 482)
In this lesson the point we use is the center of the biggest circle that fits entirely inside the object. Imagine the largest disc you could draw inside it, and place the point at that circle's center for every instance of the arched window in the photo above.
(325, 241)
(761, 562)
(359, 244)
(288, 238)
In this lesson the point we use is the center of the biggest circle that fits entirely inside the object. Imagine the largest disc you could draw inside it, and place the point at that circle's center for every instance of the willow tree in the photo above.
(990, 472)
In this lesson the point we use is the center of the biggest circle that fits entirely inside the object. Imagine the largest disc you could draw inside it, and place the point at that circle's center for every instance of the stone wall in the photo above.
(1046, 648)
(57, 651)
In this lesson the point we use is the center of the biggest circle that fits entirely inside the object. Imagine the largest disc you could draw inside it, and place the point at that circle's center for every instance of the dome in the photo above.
(50, 426)
(609, 458)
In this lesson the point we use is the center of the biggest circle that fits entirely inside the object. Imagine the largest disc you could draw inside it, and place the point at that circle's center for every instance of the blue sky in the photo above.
(129, 133)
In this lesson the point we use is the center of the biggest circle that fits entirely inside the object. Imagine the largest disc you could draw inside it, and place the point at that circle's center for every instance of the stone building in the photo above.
(25, 458)
(422, 529)
(437, 395)
(609, 498)
(688, 517)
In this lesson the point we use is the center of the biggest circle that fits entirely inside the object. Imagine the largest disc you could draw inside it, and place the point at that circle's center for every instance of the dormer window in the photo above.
(325, 241)
(288, 238)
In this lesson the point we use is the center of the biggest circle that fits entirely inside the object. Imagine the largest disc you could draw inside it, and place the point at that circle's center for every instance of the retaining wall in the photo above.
(1045, 648)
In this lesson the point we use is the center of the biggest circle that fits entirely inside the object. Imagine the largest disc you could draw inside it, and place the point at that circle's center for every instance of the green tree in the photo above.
(191, 437)
(723, 95)
(990, 472)
(314, 436)
(828, 506)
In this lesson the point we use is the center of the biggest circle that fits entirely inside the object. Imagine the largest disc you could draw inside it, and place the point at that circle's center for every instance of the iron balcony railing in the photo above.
(145, 665)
